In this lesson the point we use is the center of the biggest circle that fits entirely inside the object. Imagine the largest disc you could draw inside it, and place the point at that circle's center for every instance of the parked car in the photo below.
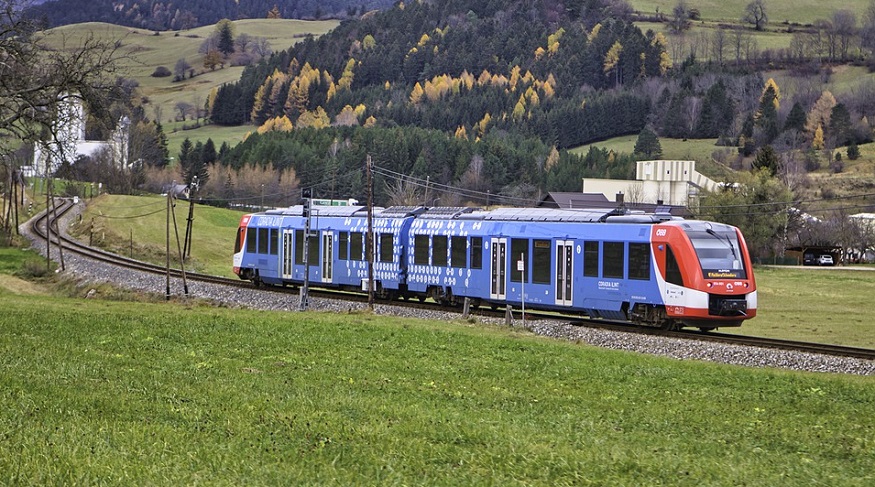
(825, 259)
(809, 259)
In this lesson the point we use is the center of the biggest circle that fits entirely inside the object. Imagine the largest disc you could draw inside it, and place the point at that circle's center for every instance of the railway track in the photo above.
(39, 227)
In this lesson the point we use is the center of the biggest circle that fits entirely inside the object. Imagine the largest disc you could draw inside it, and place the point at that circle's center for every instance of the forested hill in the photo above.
(463, 66)
(186, 14)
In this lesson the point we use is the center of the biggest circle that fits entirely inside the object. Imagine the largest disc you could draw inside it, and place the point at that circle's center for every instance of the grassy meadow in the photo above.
(188, 394)
(145, 50)
(779, 12)
(118, 217)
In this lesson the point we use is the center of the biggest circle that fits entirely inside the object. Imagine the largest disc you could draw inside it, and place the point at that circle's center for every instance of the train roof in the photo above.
(591, 215)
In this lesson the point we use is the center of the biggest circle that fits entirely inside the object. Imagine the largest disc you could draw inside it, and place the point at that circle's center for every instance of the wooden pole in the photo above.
(369, 242)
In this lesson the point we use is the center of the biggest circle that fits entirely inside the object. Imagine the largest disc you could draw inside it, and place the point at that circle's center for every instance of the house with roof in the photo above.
(69, 144)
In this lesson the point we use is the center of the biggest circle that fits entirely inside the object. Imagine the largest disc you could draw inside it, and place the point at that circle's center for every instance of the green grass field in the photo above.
(118, 217)
(95, 393)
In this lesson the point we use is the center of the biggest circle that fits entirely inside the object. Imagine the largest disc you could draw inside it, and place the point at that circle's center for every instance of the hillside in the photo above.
(144, 51)
(187, 14)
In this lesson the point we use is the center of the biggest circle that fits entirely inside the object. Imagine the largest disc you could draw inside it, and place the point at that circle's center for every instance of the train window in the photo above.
(343, 242)
(459, 252)
(263, 240)
(591, 259)
(439, 250)
(672, 268)
(251, 240)
(312, 252)
(639, 261)
(612, 266)
(387, 247)
(356, 246)
(420, 249)
(541, 269)
(519, 249)
(476, 252)
(238, 243)
(274, 241)
(299, 247)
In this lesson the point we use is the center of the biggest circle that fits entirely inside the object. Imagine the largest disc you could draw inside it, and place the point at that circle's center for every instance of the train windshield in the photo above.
(719, 253)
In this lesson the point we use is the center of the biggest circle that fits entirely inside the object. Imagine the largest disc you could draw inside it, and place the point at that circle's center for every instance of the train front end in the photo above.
(708, 274)
(239, 249)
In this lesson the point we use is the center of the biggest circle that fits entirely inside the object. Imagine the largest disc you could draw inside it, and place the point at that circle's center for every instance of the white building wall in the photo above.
(672, 182)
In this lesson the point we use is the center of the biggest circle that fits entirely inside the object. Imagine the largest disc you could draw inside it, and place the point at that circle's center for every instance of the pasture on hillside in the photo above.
(146, 50)
(779, 11)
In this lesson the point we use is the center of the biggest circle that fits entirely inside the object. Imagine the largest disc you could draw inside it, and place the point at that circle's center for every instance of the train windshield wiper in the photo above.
(726, 240)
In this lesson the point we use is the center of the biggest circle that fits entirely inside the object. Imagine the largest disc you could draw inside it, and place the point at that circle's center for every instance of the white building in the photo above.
(69, 143)
(672, 182)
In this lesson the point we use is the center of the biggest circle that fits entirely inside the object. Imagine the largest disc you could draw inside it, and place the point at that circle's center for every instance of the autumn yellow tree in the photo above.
(820, 113)
(519, 110)
(315, 118)
(348, 75)
(416, 94)
(612, 60)
(770, 83)
(483, 124)
(347, 117)
(817, 142)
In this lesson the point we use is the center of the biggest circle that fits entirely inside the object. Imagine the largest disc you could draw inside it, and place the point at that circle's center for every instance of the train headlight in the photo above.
(710, 284)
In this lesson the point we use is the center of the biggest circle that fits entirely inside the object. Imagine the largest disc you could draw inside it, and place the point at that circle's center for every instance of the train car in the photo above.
(652, 269)
(270, 247)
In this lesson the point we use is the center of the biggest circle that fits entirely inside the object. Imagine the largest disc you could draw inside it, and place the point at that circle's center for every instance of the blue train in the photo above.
(651, 269)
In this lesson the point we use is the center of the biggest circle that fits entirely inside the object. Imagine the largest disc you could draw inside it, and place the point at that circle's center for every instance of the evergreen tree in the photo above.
(853, 151)
(767, 114)
(186, 150)
(766, 159)
(840, 127)
(648, 144)
(225, 29)
(796, 118)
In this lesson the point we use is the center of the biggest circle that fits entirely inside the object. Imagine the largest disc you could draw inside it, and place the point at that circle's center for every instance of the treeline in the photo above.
(162, 15)
(470, 66)
(512, 170)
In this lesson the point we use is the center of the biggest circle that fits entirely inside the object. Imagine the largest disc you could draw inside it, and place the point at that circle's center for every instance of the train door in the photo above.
(327, 256)
(499, 268)
(287, 254)
(564, 272)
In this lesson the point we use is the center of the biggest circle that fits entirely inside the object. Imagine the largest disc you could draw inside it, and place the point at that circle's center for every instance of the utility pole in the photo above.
(186, 251)
(304, 301)
(369, 242)
(179, 249)
(167, 250)
(48, 225)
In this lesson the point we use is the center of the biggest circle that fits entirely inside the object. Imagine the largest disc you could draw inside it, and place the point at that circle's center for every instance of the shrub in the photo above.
(853, 151)
(161, 72)
(33, 269)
